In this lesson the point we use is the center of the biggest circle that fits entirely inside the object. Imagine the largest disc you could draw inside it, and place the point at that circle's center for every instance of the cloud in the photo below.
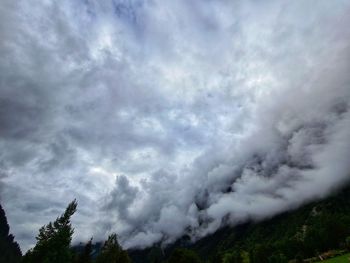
(168, 118)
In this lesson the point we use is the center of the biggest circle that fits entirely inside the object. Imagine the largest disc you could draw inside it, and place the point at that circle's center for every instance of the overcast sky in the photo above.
(164, 118)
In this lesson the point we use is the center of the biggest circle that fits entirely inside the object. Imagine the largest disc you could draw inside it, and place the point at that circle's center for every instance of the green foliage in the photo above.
(347, 242)
(182, 255)
(232, 257)
(10, 251)
(112, 252)
(325, 232)
(53, 240)
(278, 258)
(340, 259)
(260, 254)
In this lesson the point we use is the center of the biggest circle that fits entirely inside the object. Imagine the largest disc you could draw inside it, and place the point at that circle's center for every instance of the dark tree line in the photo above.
(54, 244)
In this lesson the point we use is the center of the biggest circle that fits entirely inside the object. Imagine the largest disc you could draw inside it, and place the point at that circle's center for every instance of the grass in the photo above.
(340, 259)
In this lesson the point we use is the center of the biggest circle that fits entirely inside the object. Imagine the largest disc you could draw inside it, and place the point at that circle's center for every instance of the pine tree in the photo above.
(10, 251)
(85, 255)
(112, 252)
(53, 240)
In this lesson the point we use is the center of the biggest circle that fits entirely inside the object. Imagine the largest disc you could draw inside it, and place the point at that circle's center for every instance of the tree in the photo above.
(233, 257)
(53, 240)
(10, 251)
(182, 255)
(260, 254)
(112, 252)
(347, 242)
(85, 255)
(278, 258)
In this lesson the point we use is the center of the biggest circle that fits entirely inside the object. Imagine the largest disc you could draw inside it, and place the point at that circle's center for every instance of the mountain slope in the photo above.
(302, 233)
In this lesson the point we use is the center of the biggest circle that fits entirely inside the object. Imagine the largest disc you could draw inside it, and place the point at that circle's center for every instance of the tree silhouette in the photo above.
(10, 251)
(53, 240)
(112, 252)
(85, 255)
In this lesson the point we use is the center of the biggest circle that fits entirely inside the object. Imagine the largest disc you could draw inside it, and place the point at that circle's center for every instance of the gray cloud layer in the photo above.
(166, 118)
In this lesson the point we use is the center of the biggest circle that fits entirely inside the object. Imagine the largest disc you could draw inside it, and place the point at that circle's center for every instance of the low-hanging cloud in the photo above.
(170, 118)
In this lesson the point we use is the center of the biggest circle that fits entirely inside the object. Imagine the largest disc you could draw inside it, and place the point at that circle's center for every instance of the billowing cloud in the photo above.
(166, 118)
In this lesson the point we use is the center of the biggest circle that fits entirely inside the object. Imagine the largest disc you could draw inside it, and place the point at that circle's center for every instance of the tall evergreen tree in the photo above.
(85, 255)
(53, 240)
(10, 251)
(112, 252)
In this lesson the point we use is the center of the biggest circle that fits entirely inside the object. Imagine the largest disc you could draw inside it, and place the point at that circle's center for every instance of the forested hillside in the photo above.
(304, 233)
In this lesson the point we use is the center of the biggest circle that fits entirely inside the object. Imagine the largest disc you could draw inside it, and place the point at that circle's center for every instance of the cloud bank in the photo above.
(166, 118)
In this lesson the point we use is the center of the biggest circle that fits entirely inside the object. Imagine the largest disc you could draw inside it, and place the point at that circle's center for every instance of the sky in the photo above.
(168, 118)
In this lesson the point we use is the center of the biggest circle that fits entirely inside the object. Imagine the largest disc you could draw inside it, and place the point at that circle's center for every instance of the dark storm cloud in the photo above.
(207, 113)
